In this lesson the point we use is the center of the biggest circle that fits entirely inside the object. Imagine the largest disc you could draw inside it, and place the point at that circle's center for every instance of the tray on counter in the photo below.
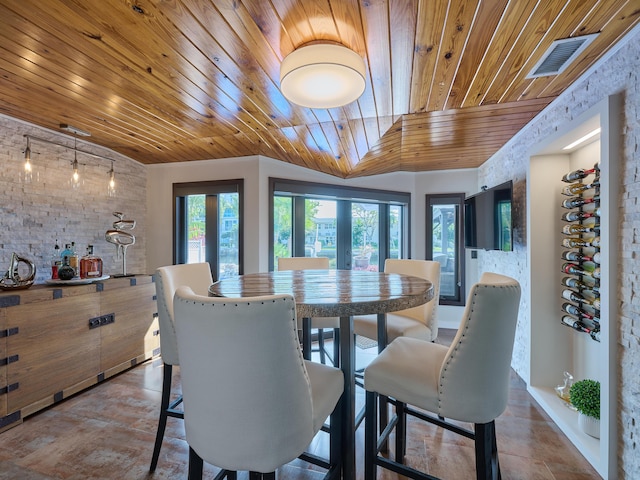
(76, 281)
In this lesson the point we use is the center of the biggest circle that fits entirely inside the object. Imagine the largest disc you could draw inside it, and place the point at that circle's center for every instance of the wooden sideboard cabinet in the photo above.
(58, 340)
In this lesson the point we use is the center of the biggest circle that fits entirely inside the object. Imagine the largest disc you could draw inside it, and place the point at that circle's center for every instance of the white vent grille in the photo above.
(560, 55)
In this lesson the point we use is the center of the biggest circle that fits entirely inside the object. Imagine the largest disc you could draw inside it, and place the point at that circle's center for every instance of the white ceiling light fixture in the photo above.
(323, 75)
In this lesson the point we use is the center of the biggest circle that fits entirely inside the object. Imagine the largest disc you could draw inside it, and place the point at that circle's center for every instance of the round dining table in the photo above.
(336, 293)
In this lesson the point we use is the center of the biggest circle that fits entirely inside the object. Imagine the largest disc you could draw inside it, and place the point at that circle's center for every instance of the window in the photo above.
(356, 228)
(444, 243)
(208, 225)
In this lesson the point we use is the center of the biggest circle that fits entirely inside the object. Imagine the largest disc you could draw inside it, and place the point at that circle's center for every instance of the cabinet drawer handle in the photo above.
(9, 331)
(9, 388)
(8, 360)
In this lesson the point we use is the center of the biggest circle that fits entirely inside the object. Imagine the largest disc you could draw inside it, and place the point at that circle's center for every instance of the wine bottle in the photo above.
(571, 256)
(577, 216)
(596, 258)
(580, 285)
(575, 283)
(578, 312)
(595, 242)
(575, 324)
(578, 175)
(576, 297)
(571, 322)
(577, 243)
(578, 188)
(575, 269)
(593, 207)
(573, 229)
(576, 202)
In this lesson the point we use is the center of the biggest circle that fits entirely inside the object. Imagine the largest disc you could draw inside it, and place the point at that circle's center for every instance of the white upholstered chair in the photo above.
(251, 403)
(319, 323)
(417, 322)
(466, 382)
(168, 279)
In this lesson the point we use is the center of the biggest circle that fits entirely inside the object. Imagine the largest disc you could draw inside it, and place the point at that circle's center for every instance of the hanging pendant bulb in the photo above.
(28, 169)
(111, 188)
(75, 178)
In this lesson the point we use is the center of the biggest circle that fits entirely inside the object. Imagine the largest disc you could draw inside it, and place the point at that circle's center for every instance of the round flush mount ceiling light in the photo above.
(322, 76)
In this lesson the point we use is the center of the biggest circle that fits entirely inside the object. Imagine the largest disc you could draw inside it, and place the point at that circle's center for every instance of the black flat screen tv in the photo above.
(487, 219)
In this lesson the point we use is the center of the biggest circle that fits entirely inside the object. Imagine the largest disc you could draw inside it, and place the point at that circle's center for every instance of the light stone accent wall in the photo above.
(617, 75)
(33, 215)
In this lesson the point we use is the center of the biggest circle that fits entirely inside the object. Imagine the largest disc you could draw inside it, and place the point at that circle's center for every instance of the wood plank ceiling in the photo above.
(181, 80)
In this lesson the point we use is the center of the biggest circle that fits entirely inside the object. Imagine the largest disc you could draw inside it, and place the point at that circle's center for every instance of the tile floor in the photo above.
(108, 432)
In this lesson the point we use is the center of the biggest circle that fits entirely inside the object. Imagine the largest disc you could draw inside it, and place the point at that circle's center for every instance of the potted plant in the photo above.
(585, 397)
(361, 261)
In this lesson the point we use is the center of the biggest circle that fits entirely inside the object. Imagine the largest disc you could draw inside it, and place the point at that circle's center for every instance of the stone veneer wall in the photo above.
(33, 215)
(619, 74)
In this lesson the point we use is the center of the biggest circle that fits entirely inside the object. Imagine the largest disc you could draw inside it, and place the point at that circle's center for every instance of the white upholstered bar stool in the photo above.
(251, 402)
(417, 322)
(467, 382)
(319, 323)
(168, 279)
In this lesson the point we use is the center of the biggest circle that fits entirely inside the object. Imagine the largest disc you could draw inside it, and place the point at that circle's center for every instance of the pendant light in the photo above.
(28, 168)
(75, 178)
(111, 187)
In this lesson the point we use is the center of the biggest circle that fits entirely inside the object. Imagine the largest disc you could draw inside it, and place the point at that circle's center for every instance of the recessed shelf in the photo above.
(555, 349)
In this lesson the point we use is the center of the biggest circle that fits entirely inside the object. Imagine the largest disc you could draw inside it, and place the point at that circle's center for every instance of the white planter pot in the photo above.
(589, 425)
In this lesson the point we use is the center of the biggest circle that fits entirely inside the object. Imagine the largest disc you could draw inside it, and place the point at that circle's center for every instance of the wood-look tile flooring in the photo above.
(108, 432)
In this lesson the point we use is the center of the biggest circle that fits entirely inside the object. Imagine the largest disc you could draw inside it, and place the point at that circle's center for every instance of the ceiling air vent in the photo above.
(560, 54)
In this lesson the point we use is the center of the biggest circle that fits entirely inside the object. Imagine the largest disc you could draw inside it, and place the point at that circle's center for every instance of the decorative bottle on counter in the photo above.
(90, 265)
(65, 272)
(74, 260)
(55, 261)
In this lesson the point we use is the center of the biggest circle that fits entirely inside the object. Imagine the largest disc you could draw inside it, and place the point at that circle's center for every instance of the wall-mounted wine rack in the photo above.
(581, 286)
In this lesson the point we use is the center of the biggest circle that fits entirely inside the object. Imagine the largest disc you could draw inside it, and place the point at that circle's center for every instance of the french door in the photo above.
(356, 229)
(208, 225)
(444, 243)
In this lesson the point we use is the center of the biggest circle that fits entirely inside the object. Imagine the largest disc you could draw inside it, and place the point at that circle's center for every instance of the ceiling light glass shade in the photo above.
(111, 186)
(322, 76)
(28, 169)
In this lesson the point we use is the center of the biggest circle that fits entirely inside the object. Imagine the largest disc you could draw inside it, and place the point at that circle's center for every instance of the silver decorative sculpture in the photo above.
(122, 239)
(13, 279)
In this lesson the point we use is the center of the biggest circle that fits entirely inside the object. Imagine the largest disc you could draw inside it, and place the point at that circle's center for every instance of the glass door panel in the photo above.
(196, 229)
(228, 235)
(212, 225)
(365, 236)
(282, 228)
(321, 229)
(396, 239)
(444, 244)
